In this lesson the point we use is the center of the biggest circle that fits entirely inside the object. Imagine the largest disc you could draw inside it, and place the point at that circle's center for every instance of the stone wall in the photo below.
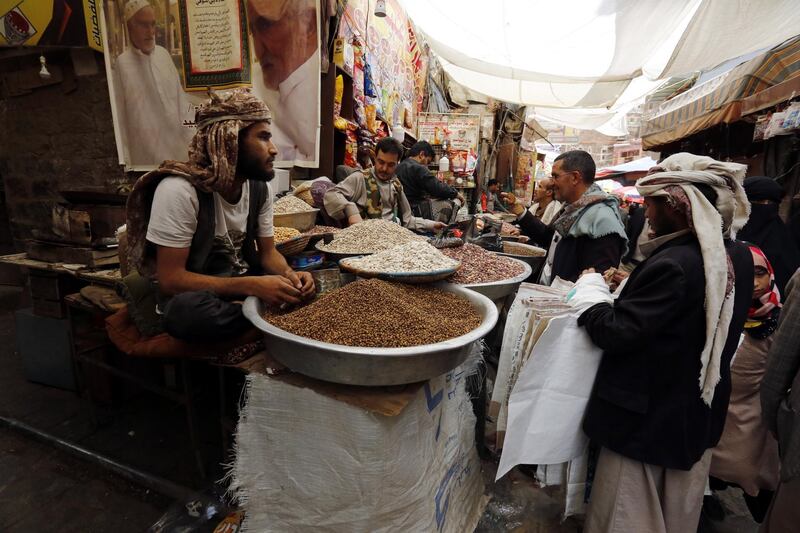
(57, 137)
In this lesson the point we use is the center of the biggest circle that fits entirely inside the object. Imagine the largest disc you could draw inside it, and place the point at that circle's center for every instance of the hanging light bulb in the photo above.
(380, 8)
(44, 73)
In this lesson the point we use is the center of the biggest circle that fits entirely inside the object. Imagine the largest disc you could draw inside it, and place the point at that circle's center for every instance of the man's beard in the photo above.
(253, 169)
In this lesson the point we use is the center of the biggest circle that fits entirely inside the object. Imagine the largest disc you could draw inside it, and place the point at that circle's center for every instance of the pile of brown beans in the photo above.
(381, 314)
(480, 266)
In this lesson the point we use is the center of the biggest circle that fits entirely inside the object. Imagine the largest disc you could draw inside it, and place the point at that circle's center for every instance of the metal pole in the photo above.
(157, 484)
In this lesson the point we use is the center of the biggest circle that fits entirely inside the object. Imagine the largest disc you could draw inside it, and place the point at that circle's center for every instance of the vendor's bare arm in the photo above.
(173, 278)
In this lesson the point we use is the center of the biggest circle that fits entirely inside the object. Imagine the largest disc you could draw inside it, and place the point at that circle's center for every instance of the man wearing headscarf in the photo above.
(202, 229)
(766, 230)
(151, 102)
(662, 389)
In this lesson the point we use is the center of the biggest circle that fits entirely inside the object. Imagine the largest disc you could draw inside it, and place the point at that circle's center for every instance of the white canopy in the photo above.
(585, 54)
(637, 165)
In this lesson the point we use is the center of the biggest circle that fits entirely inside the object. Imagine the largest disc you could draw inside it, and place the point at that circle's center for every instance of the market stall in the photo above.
(399, 322)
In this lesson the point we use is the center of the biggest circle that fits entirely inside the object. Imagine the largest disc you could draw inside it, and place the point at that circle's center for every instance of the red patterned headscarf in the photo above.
(770, 300)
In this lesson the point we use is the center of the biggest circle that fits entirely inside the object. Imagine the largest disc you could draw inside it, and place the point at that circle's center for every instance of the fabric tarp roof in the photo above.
(584, 53)
(637, 165)
(720, 100)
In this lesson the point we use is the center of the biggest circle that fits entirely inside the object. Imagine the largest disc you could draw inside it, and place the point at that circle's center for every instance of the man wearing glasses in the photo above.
(586, 233)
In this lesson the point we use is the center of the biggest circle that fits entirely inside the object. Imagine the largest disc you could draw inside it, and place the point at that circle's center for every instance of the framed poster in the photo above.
(460, 132)
(215, 44)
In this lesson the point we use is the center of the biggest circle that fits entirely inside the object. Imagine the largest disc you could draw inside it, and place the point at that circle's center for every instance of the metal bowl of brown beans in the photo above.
(357, 365)
(495, 290)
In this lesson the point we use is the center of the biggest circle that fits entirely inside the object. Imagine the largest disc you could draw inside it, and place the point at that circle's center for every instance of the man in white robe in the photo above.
(152, 103)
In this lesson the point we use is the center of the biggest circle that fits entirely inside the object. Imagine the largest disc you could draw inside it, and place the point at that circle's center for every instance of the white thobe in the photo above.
(295, 111)
(153, 107)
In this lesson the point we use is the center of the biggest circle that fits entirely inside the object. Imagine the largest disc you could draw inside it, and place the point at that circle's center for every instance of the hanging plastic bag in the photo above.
(485, 233)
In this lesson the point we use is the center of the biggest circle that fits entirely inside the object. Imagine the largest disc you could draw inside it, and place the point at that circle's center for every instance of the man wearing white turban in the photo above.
(152, 105)
(663, 386)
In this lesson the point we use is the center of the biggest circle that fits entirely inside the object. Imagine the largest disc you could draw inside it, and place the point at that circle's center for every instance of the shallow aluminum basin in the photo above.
(498, 290)
(356, 365)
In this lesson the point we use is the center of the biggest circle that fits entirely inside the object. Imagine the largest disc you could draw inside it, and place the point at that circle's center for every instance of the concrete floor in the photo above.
(43, 489)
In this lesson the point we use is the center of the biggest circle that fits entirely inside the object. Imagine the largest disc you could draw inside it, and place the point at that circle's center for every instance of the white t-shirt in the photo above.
(173, 219)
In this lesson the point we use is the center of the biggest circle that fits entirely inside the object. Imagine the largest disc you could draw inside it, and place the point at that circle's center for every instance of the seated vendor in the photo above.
(490, 203)
(424, 190)
(376, 193)
(202, 229)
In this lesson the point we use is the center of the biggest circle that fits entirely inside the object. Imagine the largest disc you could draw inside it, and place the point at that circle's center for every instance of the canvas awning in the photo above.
(720, 99)
(587, 55)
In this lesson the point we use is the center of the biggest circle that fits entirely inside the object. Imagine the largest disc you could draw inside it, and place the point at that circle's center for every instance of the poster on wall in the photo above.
(214, 44)
(163, 55)
(50, 23)
(460, 132)
(153, 113)
(286, 74)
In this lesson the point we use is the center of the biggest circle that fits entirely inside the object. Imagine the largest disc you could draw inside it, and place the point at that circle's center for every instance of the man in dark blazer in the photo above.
(677, 319)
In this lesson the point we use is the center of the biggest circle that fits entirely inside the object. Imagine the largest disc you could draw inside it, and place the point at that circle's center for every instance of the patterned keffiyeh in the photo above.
(677, 179)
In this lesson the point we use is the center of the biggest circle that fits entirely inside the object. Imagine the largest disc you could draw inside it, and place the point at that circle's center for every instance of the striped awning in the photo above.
(719, 100)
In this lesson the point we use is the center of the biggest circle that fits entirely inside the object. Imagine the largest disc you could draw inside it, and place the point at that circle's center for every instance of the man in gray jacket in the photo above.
(780, 405)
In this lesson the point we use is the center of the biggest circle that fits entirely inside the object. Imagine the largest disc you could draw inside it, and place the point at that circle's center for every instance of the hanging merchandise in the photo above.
(388, 43)
(775, 126)
(351, 147)
(369, 86)
(792, 120)
(338, 52)
(359, 112)
(337, 96)
(371, 118)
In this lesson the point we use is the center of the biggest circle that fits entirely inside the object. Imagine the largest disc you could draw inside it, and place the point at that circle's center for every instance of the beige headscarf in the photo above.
(676, 178)
(213, 155)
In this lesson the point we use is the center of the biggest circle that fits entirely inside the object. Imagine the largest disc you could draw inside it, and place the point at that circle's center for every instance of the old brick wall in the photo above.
(59, 137)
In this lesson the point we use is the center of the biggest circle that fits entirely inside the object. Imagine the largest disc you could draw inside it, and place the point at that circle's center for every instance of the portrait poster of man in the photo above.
(153, 114)
(286, 74)
(162, 55)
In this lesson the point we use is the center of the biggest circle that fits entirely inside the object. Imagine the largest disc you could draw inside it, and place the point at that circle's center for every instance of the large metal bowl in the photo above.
(535, 261)
(301, 221)
(355, 365)
(497, 290)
